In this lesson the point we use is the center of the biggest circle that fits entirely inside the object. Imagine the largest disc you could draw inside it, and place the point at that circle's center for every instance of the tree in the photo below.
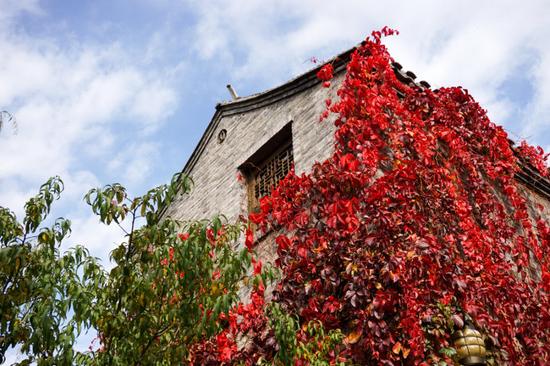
(40, 286)
(171, 282)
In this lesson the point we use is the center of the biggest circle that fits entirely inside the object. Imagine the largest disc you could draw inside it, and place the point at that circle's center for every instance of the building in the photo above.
(251, 142)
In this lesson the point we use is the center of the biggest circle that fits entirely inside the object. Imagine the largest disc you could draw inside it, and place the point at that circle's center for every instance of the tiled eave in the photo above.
(532, 179)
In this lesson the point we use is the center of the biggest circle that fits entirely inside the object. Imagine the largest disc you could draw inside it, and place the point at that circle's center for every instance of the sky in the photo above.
(121, 90)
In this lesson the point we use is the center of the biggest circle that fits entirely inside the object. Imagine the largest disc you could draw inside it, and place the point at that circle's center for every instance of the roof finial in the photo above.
(232, 91)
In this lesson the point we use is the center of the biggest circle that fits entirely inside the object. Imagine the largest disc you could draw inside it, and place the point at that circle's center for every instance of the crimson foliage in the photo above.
(412, 227)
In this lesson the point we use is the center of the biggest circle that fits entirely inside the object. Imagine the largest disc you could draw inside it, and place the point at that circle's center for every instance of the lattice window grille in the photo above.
(275, 169)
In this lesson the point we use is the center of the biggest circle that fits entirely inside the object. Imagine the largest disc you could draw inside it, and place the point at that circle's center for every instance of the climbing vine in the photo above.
(413, 227)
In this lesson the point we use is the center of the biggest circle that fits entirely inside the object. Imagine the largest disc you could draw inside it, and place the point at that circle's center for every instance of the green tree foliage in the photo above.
(308, 345)
(170, 284)
(44, 292)
(171, 281)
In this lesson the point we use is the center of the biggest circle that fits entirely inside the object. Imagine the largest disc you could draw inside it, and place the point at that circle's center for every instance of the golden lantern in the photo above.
(470, 347)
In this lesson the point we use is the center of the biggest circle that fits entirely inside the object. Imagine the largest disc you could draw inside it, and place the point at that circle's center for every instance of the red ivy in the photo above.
(534, 156)
(414, 224)
(326, 72)
(416, 211)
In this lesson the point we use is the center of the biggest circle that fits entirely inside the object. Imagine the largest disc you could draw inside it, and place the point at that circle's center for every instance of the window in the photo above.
(273, 170)
(265, 169)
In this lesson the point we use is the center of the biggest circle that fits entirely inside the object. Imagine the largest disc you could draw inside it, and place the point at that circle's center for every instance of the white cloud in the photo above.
(83, 110)
(77, 106)
(153, 102)
(135, 162)
(538, 111)
(11, 8)
(100, 239)
(478, 45)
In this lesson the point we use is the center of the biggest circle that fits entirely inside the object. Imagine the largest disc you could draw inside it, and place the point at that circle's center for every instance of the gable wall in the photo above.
(217, 190)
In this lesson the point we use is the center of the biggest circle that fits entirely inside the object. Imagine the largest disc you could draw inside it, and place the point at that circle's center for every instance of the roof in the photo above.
(526, 175)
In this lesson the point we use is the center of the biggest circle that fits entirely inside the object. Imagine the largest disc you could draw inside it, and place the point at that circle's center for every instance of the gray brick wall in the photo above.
(217, 190)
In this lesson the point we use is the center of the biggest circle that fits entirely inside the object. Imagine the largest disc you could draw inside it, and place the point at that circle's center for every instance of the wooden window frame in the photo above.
(268, 154)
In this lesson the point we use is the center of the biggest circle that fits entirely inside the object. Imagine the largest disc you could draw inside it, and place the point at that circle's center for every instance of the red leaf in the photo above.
(249, 239)
(326, 72)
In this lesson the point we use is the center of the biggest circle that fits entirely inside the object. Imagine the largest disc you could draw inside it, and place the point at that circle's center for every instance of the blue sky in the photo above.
(121, 91)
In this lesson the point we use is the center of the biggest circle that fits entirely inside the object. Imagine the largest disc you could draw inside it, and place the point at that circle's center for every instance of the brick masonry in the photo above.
(216, 187)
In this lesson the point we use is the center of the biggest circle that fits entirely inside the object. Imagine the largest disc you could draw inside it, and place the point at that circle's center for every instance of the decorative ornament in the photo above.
(470, 346)
(222, 135)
